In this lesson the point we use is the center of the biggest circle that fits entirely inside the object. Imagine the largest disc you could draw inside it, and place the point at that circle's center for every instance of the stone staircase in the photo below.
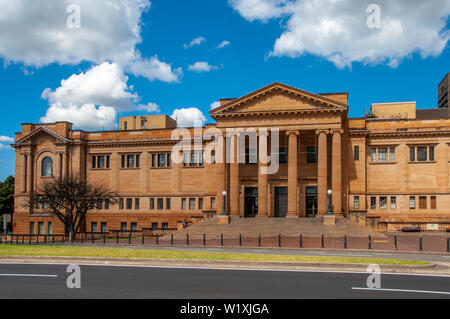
(251, 227)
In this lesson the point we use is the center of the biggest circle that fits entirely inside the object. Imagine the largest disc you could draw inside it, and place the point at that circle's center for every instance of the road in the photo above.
(49, 281)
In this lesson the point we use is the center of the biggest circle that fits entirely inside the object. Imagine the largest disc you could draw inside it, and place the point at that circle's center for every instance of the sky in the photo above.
(89, 62)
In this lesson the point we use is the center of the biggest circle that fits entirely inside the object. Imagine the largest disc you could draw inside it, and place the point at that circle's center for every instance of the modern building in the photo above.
(444, 93)
(390, 167)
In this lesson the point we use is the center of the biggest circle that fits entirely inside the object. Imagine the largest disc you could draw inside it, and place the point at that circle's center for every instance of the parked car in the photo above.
(411, 229)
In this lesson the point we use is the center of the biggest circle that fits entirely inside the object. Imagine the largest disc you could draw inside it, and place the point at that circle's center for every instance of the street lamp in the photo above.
(330, 211)
(224, 194)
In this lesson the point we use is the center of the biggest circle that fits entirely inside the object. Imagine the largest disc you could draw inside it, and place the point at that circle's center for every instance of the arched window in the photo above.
(47, 167)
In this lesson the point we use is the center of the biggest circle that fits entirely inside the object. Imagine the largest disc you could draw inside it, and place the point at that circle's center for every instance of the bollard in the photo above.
(129, 239)
(171, 239)
(370, 242)
(157, 239)
(117, 238)
(17, 239)
(395, 243)
(23, 239)
(204, 239)
(345, 242)
(323, 242)
(92, 238)
(259, 240)
(240, 240)
(279, 240)
(37, 239)
(104, 238)
(53, 239)
(420, 243)
(221, 239)
(143, 238)
(187, 239)
(301, 241)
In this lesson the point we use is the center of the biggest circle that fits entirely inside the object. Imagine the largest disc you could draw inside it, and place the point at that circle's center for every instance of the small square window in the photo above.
(356, 153)
(152, 203)
(393, 202)
(213, 203)
(129, 203)
(421, 154)
(167, 203)
(160, 203)
(123, 226)
(373, 155)
(373, 203)
(356, 202)
(200, 203)
(383, 202)
(422, 202)
(412, 202)
(433, 202)
(311, 156)
(136, 203)
(183, 203)
(191, 203)
(120, 203)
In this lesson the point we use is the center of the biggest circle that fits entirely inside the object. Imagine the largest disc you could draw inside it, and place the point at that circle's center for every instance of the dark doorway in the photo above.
(311, 201)
(251, 201)
(281, 201)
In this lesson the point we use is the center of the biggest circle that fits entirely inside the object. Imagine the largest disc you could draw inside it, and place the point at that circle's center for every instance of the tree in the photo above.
(6, 197)
(70, 199)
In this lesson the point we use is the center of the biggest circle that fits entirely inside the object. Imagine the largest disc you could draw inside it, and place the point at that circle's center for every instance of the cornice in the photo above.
(279, 112)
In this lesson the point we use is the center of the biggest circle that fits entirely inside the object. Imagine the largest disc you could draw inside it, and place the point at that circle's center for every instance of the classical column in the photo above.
(24, 173)
(322, 173)
(29, 173)
(292, 174)
(262, 175)
(64, 164)
(220, 172)
(337, 172)
(234, 178)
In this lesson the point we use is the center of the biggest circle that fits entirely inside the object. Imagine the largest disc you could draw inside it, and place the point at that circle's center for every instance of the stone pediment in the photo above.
(39, 132)
(278, 97)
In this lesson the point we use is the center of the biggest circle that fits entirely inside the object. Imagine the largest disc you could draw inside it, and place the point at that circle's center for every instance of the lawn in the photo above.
(26, 250)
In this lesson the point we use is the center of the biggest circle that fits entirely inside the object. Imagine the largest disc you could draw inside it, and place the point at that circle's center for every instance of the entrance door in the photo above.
(281, 201)
(251, 202)
(311, 201)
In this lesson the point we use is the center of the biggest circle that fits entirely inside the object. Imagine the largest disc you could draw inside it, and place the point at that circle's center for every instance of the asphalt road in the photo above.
(49, 281)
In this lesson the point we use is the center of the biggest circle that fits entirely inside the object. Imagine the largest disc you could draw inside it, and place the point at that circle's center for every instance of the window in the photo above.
(421, 154)
(393, 202)
(47, 167)
(160, 203)
(213, 203)
(49, 228)
(104, 227)
(431, 152)
(283, 155)
(123, 226)
(136, 203)
(356, 202)
(99, 204)
(152, 203)
(392, 154)
(161, 160)
(373, 155)
(191, 203)
(200, 203)
(129, 203)
(143, 122)
(120, 203)
(167, 203)
(412, 202)
(154, 158)
(183, 203)
(40, 228)
(382, 155)
(107, 203)
(130, 161)
(251, 156)
(383, 202)
(125, 124)
(356, 153)
(134, 226)
(100, 161)
(169, 160)
(311, 154)
(373, 203)
(154, 225)
(94, 227)
(213, 157)
(31, 228)
(433, 202)
(165, 225)
(424, 153)
(422, 202)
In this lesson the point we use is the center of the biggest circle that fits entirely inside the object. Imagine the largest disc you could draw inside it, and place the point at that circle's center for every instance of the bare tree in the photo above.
(70, 198)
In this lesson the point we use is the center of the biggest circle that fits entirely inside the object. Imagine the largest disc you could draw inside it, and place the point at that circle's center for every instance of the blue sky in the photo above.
(250, 61)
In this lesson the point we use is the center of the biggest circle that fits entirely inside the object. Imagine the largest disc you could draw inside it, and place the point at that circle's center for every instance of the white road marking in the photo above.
(28, 275)
(404, 290)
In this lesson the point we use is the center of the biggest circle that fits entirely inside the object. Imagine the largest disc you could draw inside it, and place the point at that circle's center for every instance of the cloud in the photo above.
(188, 117)
(40, 32)
(92, 99)
(223, 44)
(201, 67)
(194, 42)
(338, 30)
(214, 105)
(5, 141)
(150, 107)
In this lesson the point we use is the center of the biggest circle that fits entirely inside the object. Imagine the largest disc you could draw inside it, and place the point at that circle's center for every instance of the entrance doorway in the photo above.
(311, 201)
(281, 201)
(251, 202)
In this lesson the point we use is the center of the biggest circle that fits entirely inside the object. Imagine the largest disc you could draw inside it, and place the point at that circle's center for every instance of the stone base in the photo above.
(223, 220)
(329, 220)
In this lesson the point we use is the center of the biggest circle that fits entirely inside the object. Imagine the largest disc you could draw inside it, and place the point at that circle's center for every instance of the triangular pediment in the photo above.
(39, 132)
(277, 97)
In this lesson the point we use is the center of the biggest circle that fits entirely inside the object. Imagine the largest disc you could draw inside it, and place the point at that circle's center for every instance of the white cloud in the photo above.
(36, 33)
(149, 107)
(194, 42)
(188, 117)
(201, 67)
(6, 139)
(214, 105)
(223, 44)
(338, 31)
(92, 99)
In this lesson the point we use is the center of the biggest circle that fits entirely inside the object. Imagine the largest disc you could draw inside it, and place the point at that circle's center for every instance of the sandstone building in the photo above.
(392, 166)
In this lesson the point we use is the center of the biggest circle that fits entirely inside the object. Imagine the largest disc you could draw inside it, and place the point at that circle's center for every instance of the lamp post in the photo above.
(224, 194)
(330, 211)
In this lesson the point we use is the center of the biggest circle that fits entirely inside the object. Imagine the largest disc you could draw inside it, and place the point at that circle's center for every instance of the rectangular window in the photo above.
(169, 160)
(311, 154)
(160, 203)
(136, 203)
(422, 202)
(99, 204)
(93, 227)
(373, 203)
(213, 157)
(161, 160)
(40, 228)
(167, 203)
(49, 228)
(251, 156)
(412, 154)
(373, 155)
(356, 153)
(154, 225)
(93, 161)
(104, 227)
(134, 226)
(185, 159)
(183, 203)
(200, 203)
(123, 226)
(356, 202)
(165, 225)
(383, 202)
(107, 161)
(122, 161)
(130, 161)
(431, 150)
(382, 155)
(120, 203)
(393, 202)
(138, 160)
(191, 203)
(31, 228)
(193, 161)
(283, 155)
(101, 162)
(422, 154)
(152, 203)
(129, 203)
(200, 158)
(213, 203)
(412, 202)
(433, 202)
(392, 154)
(107, 203)
(154, 159)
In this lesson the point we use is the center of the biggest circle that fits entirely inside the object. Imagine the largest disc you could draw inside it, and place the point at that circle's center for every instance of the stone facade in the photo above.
(392, 171)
